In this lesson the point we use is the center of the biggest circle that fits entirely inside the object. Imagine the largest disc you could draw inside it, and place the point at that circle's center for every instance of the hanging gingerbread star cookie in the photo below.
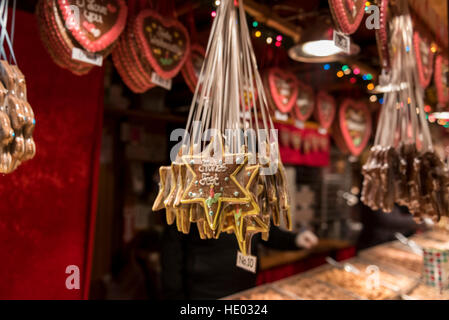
(165, 175)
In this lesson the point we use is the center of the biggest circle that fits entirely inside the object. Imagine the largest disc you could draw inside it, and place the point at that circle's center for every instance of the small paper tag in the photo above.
(247, 263)
(161, 82)
(299, 124)
(281, 116)
(246, 115)
(342, 41)
(87, 57)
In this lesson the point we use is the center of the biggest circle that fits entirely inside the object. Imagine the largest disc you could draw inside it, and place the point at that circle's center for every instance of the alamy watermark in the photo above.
(72, 282)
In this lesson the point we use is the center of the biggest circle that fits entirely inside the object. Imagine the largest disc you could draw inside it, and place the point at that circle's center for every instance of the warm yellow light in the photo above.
(269, 40)
(373, 98)
(367, 3)
(258, 34)
(321, 48)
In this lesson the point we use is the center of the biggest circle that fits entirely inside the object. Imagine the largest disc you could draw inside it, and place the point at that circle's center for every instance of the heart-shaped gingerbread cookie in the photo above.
(424, 58)
(192, 67)
(305, 102)
(95, 24)
(347, 14)
(250, 96)
(382, 34)
(441, 79)
(325, 109)
(283, 89)
(355, 125)
(164, 42)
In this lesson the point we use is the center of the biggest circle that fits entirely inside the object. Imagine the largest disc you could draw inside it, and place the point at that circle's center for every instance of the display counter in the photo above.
(276, 265)
(385, 272)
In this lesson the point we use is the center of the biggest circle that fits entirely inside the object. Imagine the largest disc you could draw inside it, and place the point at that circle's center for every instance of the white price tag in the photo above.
(342, 41)
(299, 124)
(247, 263)
(322, 131)
(87, 57)
(280, 116)
(246, 115)
(161, 82)
(129, 214)
(141, 221)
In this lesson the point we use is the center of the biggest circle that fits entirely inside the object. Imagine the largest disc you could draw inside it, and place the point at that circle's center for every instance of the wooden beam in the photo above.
(267, 16)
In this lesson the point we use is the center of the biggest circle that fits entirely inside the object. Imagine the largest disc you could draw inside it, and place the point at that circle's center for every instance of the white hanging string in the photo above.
(229, 83)
(13, 27)
(402, 118)
(4, 34)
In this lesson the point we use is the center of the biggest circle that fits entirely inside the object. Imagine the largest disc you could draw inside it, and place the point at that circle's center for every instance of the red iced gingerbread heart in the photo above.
(192, 67)
(355, 125)
(325, 109)
(305, 102)
(249, 96)
(283, 88)
(424, 58)
(382, 34)
(441, 81)
(164, 42)
(348, 14)
(95, 24)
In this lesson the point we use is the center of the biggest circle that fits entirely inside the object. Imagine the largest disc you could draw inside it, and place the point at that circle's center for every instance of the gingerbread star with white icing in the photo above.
(214, 184)
(165, 176)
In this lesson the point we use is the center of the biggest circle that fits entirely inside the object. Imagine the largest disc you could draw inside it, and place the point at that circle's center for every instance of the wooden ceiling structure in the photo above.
(291, 19)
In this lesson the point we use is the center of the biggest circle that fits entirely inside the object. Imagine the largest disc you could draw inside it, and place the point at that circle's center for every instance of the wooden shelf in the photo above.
(277, 258)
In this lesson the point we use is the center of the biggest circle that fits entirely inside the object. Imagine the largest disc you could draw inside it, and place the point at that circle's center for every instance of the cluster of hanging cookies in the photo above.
(224, 192)
(403, 167)
(16, 119)
(228, 175)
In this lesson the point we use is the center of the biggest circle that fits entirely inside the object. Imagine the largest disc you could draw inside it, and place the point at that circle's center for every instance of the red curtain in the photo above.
(313, 158)
(48, 205)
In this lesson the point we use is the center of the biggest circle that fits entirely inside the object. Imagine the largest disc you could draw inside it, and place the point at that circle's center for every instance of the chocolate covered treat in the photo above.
(423, 292)
(16, 119)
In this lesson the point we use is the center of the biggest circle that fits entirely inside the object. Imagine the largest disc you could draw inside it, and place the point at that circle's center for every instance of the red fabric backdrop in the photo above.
(48, 205)
(319, 158)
